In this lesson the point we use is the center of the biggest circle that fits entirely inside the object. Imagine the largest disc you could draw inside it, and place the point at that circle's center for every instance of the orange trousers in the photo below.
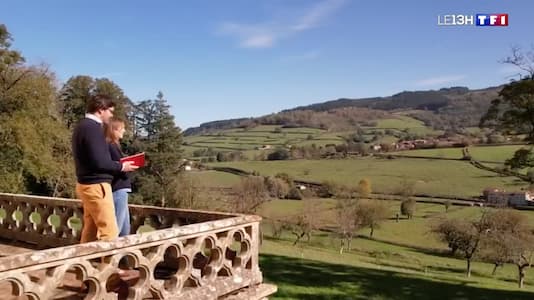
(99, 221)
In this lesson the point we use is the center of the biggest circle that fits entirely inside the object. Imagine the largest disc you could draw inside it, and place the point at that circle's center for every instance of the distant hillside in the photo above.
(215, 125)
(454, 107)
(426, 100)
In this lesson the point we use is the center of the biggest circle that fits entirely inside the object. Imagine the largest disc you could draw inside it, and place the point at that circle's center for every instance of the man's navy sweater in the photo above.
(91, 154)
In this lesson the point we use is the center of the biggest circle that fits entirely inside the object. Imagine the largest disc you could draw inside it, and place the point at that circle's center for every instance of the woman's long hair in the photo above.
(109, 130)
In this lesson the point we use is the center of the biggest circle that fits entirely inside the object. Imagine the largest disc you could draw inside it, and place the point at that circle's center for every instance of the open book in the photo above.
(137, 159)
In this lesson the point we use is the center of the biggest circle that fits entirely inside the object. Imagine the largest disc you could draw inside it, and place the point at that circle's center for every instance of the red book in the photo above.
(137, 159)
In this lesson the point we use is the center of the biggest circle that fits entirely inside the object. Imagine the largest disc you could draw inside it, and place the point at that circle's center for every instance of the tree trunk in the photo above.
(468, 268)
(299, 236)
(372, 231)
(494, 269)
(56, 187)
(521, 280)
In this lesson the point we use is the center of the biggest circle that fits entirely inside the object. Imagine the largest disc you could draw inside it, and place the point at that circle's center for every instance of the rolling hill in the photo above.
(455, 107)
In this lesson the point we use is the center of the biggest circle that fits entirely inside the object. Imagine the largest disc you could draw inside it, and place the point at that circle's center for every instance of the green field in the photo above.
(494, 153)
(497, 154)
(321, 142)
(403, 261)
(432, 177)
(411, 125)
(410, 232)
(387, 273)
(434, 153)
(247, 140)
(401, 122)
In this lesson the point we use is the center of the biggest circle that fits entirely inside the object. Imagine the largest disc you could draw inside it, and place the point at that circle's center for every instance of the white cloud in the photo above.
(440, 80)
(259, 41)
(266, 35)
(250, 36)
(317, 13)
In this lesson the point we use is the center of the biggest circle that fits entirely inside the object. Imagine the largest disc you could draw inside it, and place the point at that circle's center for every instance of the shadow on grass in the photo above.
(424, 250)
(307, 279)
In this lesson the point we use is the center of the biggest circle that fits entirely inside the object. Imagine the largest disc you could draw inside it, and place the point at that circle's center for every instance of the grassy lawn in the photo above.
(401, 122)
(318, 273)
(497, 153)
(407, 232)
(440, 178)
(439, 153)
(490, 153)
(403, 261)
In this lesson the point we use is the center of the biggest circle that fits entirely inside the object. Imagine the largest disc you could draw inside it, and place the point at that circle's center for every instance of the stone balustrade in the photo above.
(171, 254)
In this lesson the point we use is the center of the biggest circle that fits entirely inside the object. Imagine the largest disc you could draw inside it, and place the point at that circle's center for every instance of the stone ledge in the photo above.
(256, 292)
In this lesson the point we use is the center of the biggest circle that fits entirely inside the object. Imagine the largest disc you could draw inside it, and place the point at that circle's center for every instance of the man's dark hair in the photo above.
(98, 102)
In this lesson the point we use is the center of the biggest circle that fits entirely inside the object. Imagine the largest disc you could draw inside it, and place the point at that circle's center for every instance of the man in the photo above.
(95, 170)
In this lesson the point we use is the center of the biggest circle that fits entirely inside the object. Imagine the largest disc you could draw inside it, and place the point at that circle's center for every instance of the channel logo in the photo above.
(492, 19)
(472, 20)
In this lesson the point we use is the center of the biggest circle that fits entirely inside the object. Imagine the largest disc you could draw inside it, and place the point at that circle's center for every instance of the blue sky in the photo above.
(238, 58)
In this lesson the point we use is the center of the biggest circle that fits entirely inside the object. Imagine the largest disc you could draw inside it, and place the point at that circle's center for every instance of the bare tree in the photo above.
(277, 187)
(406, 190)
(523, 60)
(509, 239)
(371, 213)
(447, 204)
(364, 188)
(250, 193)
(465, 236)
(407, 207)
(522, 245)
(278, 227)
(448, 232)
(496, 250)
(306, 222)
(347, 221)
(184, 193)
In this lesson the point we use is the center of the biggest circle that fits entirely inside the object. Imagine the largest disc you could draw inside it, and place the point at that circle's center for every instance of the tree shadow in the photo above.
(429, 251)
(295, 277)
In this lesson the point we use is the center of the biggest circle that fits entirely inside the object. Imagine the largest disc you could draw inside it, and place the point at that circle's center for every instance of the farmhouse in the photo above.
(513, 199)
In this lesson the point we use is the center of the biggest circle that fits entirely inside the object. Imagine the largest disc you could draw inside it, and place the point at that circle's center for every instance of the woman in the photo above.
(121, 184)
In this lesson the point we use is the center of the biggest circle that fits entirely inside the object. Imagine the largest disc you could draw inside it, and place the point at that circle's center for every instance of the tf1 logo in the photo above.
(470, 20)
(492, 19)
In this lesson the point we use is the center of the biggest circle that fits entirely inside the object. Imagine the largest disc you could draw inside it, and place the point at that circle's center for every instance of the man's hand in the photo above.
(128, 166)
